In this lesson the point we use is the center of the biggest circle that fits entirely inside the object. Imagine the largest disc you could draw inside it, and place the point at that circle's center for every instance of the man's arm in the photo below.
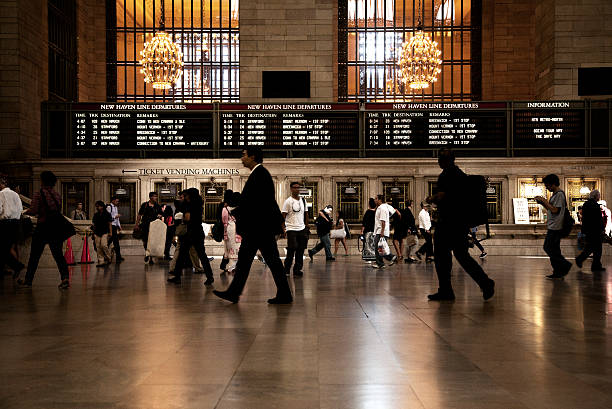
(542, 200)
(382, 227)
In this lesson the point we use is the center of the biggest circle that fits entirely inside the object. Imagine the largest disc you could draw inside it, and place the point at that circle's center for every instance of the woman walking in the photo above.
(46, 205)
(340, 226)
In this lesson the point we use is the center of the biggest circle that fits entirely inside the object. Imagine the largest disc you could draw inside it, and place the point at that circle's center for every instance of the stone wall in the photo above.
(508, 49)
(580, 33)
(23, 48)
(91, 26)
(280, 35)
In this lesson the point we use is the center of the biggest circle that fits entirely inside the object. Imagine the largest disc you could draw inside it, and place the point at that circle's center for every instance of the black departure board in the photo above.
(554, 124)
(290, 126)
(131, 127)
(435, 125)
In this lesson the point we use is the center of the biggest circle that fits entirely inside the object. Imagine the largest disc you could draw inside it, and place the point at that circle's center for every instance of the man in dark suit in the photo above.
(258, 221)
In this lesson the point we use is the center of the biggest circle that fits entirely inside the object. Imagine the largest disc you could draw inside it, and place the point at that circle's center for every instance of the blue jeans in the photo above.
(552, 247)
(324, 243)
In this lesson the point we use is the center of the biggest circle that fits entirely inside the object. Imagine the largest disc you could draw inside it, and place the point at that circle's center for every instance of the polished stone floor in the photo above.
(354, 338)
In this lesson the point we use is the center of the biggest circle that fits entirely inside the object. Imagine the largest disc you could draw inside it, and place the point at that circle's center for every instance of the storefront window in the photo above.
(168, 192)
(577, 191)
(74, 193)
(530, 188)
(494, 201)
(349, 196)
(212, 194)
(397, 193)
(126, 192)
(310, 193)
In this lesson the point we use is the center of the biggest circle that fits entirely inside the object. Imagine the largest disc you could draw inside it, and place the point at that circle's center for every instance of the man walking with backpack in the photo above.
(555, 208)
(450, 236)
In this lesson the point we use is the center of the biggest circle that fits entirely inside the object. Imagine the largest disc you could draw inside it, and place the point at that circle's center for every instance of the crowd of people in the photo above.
(252, 222)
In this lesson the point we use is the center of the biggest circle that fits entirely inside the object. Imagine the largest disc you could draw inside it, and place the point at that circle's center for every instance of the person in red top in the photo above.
(43, 203)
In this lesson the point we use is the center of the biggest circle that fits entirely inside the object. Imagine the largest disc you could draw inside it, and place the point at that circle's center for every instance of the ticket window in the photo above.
(494, 201)
(577, 192)
(126, 193)
(212, 194)
(74, 193)
(530, 188)
(349, 196)
(397, 193)
(167, 193)
(310, 193)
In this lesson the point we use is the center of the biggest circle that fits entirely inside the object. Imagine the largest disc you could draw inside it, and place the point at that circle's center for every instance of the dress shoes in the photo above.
(442, 296)
(175, 280)
(209, 279)
(226, 295)
(488, 291)
(281, 300)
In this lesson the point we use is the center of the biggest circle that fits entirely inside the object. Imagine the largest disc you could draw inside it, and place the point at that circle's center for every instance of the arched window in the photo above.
(370, 35)
(205, 30)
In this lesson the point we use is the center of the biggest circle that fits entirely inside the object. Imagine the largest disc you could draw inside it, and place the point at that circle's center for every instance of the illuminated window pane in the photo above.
(206, 31)
(375, 32)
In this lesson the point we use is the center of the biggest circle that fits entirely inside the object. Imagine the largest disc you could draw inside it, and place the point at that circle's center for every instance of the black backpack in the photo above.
(568, 222)
(476, 212)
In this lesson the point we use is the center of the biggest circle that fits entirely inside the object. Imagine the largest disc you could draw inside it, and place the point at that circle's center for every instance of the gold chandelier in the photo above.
(161, 59)
(419, 60)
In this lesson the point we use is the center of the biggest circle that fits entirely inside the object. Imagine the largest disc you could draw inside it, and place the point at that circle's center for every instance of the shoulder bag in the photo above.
(56, 225)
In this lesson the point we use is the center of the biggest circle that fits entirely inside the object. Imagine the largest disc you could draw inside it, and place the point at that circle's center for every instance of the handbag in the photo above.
(337, 234)
(56, 224)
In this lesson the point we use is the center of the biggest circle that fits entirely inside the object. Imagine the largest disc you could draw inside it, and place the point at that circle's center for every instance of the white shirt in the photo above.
(382, 214)
(424, 220)
(389, 208)
(10, 204)
(114, 212)
(294, 221)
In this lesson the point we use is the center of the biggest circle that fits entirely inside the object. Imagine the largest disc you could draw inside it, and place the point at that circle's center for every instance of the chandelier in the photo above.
(419, 60)
(161, 59)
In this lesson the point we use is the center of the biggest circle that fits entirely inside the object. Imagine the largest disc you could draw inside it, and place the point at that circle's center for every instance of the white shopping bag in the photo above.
(383, 247)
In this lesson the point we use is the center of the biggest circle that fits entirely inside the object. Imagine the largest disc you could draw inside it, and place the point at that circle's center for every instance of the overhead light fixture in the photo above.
(161, 59)
(419, 59)
(166, 189)
(121, 192)
(72, 189)
(212, 189)
(584, 189)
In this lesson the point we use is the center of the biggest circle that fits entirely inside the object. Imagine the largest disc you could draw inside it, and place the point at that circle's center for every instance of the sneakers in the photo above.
(393, 260)
(483, 255)
(374, 265)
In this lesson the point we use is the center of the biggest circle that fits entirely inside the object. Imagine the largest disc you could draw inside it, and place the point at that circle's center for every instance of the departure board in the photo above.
(555, 124)
(129, 127)
(435, 125)
(290, 126)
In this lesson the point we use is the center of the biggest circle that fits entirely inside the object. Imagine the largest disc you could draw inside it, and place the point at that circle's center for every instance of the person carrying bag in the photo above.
(52, 229)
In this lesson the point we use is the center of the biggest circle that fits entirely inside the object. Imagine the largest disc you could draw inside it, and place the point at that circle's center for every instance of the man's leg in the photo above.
(269, 251)
(318, 247)
(379, 259)
(471, 266)
(56, 251)
(248, 249)
(476, 242)
(597, 250)
(115, 240)
(429, 248)
(99, 254)
(552, 247)
(302, 242)
(105, 250)
(291, 246)
(587, 249)
(8, 237)
(327, 243)
(443, 260)
(36, 249)
(389, 256)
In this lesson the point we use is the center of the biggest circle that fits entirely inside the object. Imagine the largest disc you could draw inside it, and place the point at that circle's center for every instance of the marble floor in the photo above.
(354, 338)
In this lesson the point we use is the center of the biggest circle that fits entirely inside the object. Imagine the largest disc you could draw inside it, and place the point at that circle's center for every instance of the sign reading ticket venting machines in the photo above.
(521, 210)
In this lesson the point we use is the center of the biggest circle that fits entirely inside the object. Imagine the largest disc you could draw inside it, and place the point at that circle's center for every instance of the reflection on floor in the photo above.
(354, 338)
